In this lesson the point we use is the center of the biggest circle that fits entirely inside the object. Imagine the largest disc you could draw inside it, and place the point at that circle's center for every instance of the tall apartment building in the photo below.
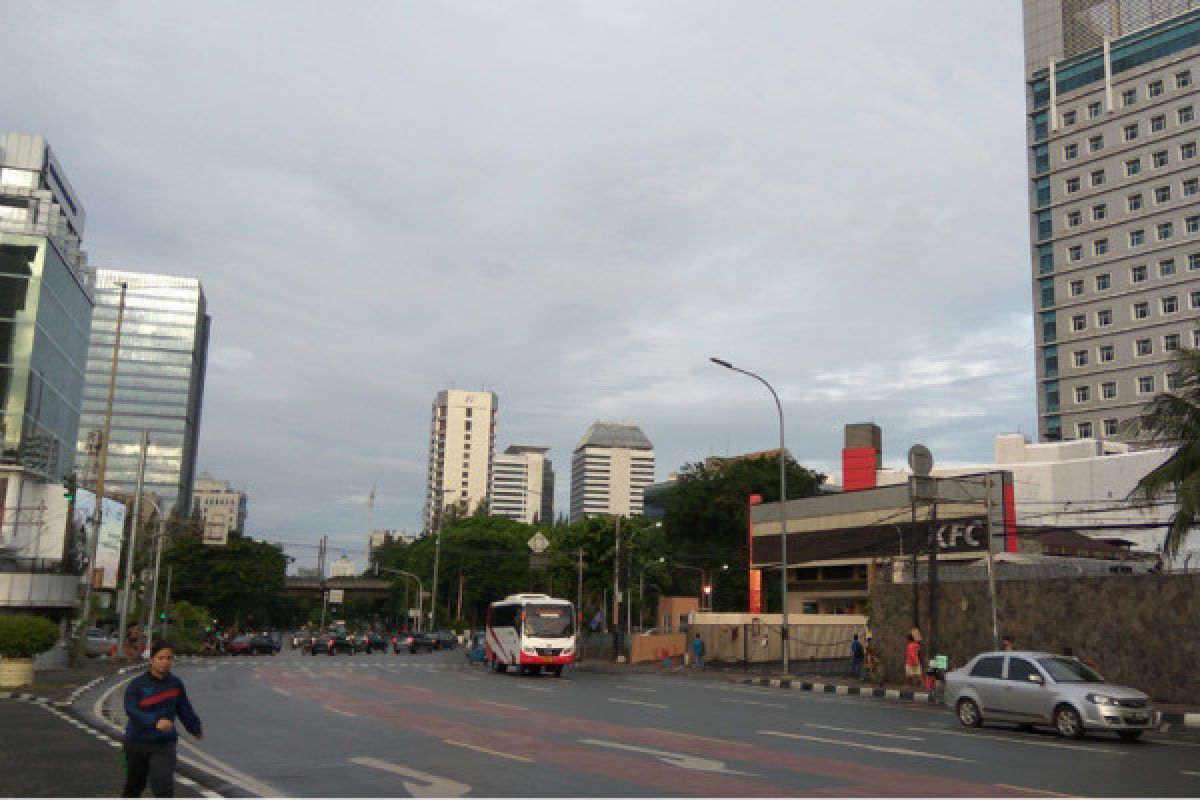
(221, 508)
(45, 313)
(462, 443)
(1115, 202)
(610, 468)
(161, 365)
(523, 484)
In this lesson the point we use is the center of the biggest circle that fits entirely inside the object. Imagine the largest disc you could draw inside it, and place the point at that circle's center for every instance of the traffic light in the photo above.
(69, 486)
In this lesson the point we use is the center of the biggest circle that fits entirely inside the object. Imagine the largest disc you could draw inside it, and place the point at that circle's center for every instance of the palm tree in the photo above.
(1172, 419)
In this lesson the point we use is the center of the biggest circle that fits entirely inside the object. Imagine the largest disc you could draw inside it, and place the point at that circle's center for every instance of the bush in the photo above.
(24, 635)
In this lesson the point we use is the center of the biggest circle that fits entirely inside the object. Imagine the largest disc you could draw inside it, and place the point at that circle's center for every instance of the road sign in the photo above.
(538, 543)
(337, 595)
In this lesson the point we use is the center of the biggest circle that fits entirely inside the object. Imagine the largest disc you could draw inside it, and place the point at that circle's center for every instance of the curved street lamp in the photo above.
(782, 499)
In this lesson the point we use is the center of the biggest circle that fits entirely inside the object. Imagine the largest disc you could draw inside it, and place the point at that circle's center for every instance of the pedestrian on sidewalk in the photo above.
(912, 661)
(873, 662)
(857, 656)
(152, 702)
(1006, 643)
(698, 652)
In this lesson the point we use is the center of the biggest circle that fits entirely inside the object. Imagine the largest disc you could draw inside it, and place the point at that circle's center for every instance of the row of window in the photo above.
(1162, 232)
(1106, 353)
(1136, 201)
(1137, 311)
(1129, 97)
(1133, 168)
(1130, 132)
(1108, 389)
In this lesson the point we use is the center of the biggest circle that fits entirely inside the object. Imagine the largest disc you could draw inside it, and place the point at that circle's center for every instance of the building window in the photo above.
(1162, 194)
(1076, 288)
(1173, 381)
(1143, 347)
(1196, 338)
(1083, 430)
(1134, 202)
(1191, 186)
(1194, 298)
(1128, 97)
(1068, 118)
(1098, 177)
(1165, 230)
(1170, 304)
(1075, 252)
(1070, 151)
(1141, 310)
(1110, 426)
(1079, 358)
(1185, 115)
(1093, 110)
(1107, 353)
(1154, 89)
(1146, 384)
(1158, 124)
(1136, 238)
(1099, 212)
(1103, 282)
(1194, 261)
(1192, 224)
(1074, 219)
(1137, 274)
(1104, 317)
(1159, 159)
(1170, 342)
(1130, 132)
(1095, 143)
(1083, 394)
(1187, 150)
(1166, 267)
(1078, 322)
(1183, 79)
(1072, 185)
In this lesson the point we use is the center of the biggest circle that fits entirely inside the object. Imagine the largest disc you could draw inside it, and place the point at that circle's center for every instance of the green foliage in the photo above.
(1172, 419)
(241, 582)
(26, 635)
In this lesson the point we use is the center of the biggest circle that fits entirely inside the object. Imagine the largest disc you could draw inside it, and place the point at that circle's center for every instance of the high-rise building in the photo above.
(523, 484)
(1111, 91)
(610, 468)
(342, 568)
(45, 313)
(462, 442)
(221, 508)
(162, 359)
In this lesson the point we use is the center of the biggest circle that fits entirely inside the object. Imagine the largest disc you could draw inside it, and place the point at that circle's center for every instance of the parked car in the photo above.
(1033, 688)
(414, 642)
(477, 649)
(315, 645)
(238, 646)
(445, 640)
(263, 644)
(371, 642)
(100, 642)
(339, 643)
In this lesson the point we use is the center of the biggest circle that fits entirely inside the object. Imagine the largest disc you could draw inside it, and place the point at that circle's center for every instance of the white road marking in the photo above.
(468, 677)
(752, 703)
(210, 764)
(636, 702)
(504, 705)
(1035, 742)
(428, 786)
(339, 711)
(904, 751)
(865, 733)
(1035, 791)
(534, 688)
(638, 689)
(490, 752)
(416, 688)
(1189, 772)
(681, 760)
(284, 692)
(726, 742)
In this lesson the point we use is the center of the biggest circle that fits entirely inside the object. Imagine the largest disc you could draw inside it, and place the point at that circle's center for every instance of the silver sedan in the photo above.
(1032, 688)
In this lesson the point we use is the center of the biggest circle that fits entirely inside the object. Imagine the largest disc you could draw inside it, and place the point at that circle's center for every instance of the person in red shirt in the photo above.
(912, 661)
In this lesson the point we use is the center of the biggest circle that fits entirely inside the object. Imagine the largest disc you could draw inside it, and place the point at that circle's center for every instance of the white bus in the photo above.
(532, 632)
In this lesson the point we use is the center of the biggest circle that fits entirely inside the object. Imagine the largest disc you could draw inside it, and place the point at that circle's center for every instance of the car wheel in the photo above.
(1068, 722)
(1129, 736)
(968, 713)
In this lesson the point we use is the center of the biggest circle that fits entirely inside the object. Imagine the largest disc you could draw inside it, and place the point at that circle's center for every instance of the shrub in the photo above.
(25, 635)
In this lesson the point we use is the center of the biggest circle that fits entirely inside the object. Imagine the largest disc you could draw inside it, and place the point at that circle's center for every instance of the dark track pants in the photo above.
(153, 761)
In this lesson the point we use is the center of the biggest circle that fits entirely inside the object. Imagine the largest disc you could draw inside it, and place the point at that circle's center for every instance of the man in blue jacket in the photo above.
(152, 701)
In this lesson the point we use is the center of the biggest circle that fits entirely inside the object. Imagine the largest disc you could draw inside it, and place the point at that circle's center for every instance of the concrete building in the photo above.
(1112, 103)
(159, 386)
(45, 314)
(342, 568)
(462, 443)
(523, 484)
(221, 507)
(610, 468)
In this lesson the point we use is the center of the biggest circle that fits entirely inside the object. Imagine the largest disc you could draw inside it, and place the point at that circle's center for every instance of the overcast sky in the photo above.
(573, 205)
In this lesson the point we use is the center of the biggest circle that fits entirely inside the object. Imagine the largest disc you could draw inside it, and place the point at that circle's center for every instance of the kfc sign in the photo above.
(961, 535)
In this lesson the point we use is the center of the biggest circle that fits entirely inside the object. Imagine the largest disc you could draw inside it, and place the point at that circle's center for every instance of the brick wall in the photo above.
(1140, 630)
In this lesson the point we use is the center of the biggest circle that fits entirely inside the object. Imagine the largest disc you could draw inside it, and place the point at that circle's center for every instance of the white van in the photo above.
(532, 632)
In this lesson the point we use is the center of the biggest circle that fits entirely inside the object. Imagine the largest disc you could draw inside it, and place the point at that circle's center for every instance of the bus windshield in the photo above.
(549, 622)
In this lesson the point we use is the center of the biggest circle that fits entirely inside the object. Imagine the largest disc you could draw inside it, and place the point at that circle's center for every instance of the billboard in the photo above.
(108, 544)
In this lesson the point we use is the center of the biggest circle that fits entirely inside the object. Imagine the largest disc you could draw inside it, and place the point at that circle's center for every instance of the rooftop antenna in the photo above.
(371, 511)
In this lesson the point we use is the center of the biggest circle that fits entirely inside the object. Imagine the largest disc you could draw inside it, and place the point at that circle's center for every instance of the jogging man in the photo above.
(152, 701)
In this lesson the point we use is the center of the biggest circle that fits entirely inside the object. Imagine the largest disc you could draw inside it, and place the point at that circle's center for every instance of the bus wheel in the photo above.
(556, 670)
(497, 666)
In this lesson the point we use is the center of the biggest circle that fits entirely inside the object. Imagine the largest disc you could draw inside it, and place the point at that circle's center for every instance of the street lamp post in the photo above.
(782, 500)
(703, 578)
(420, 591)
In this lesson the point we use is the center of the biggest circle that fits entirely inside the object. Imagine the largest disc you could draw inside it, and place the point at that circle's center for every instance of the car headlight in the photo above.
(1101, 699)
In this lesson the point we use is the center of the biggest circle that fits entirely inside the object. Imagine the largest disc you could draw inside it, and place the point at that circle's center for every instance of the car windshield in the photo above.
(548, 621)
(1069, 670)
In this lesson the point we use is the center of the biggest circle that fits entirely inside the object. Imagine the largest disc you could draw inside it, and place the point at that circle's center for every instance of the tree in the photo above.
(1172, 419)
(241, 582)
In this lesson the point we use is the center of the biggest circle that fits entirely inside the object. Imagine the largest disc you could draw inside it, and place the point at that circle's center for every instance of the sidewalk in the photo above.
(1176, 717)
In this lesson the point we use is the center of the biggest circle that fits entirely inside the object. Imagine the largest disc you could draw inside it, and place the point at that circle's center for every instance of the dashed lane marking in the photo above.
(416, 688)
(865, 733)
(505, 705)
(726, 742)
(1046, 792)
(489, 752)
(534, 688)
(1189, 773)
(1030, 742)
(339, 711)
(638, 689)
(904, 751)
(752, 703)
(636, 702)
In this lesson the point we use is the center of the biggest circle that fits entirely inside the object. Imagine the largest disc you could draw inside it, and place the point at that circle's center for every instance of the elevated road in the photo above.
(361, 588)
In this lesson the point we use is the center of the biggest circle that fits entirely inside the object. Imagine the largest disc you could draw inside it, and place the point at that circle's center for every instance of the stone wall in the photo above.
(1139, 630)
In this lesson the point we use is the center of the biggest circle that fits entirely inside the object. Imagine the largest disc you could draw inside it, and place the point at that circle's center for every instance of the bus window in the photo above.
(548, 622)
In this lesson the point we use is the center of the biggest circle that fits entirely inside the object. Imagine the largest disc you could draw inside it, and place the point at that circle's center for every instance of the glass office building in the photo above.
(159, 386)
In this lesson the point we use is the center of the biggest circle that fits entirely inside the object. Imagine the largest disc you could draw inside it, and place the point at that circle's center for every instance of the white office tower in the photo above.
(342, 568)
(523, 485)
(610, 468)
(462, 442)
(221, 507)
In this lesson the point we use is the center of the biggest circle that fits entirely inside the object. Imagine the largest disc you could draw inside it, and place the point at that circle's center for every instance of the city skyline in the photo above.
(796, 191)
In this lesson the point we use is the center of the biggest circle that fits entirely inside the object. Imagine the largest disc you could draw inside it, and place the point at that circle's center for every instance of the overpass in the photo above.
(355, 588)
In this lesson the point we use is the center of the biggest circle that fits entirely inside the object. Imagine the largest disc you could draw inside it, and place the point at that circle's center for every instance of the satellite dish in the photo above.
(920, 460)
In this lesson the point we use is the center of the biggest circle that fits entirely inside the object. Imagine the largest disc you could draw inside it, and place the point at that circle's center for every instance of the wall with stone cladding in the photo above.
(1139, 630)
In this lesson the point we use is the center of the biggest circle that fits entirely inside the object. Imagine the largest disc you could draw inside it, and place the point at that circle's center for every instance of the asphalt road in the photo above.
(430, 725)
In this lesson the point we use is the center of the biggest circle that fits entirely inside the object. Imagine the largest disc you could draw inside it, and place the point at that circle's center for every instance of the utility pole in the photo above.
(167, 603)
(98, 514)
(991, 566)
(133, 533)
(933, 572)
(437, 553)
(154, 591)
(579, 606)
(616, 609)
(458, 609)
